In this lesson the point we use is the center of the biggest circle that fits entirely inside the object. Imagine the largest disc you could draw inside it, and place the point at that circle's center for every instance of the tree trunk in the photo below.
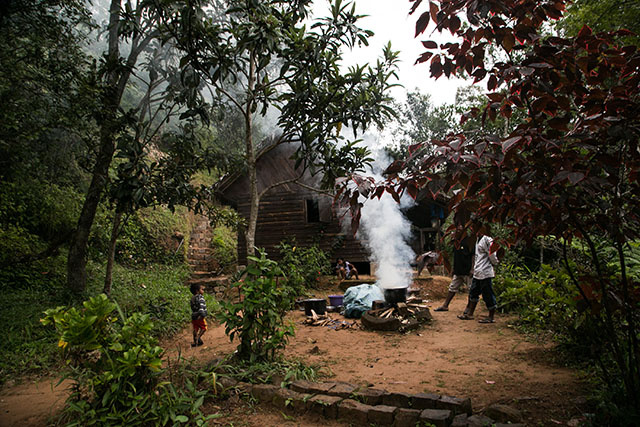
(77, 258)
(116, 80)
(250, 233)
(115, 231)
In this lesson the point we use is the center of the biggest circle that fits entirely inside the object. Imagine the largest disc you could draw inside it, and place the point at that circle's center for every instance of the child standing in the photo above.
(198, 313)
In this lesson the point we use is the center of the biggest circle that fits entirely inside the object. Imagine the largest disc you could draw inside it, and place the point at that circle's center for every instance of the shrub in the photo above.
(224, 243)
(258, 319)
(116, 366)
(302, 266)
(544, 300)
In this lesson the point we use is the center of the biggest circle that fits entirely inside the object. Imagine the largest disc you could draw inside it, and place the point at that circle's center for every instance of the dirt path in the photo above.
(488, 363)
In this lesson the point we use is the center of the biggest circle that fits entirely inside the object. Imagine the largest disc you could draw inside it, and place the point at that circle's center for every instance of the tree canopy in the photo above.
(569, 169)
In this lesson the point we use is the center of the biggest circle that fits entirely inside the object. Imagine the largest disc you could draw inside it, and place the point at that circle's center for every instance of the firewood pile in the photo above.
(401, 317)
(326, 320)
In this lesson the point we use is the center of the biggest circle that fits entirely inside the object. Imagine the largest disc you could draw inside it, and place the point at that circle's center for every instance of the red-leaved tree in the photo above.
(570, 170)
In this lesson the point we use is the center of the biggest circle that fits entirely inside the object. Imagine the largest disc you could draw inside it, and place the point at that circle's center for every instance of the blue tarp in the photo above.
(358, 299)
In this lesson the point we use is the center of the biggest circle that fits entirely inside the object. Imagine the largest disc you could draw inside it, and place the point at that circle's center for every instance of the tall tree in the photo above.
(260, 55)
(130, 30)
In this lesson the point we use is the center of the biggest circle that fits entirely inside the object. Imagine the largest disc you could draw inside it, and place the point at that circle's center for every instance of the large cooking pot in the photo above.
(395, 295)
(316, 304)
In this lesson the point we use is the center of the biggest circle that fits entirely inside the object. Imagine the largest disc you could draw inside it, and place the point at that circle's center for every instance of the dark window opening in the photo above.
(362, 267)
(313, 211)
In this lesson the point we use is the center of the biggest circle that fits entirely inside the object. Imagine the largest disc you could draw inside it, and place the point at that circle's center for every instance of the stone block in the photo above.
(226, 382)
(459, 420)
(344, 390)
(370, 396)
(455, 404)
(300, 403)
(425, 401)
(406, 417)
(437, 417)
(400, 400)
(283, 397)
(324, 405)
(503, 413)
(479, 421)
(320, 388)
(301, 386)
(354, 412)
(382, 415)
(264, 392)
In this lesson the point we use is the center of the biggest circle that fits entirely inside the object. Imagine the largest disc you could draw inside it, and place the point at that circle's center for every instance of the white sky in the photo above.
(390, 21)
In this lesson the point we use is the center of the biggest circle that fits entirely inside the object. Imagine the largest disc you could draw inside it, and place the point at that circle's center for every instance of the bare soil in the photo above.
(490, 363)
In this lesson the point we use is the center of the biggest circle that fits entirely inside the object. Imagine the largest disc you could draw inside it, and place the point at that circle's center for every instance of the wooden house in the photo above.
(296, 211)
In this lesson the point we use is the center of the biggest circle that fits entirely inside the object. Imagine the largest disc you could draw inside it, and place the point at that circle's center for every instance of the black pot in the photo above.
(395, 295)
(316, 304)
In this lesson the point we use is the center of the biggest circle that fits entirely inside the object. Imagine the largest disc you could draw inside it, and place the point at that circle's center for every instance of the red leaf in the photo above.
(433, 9)
(394, 167)
(508, 42)
(422, 23)
(412, 189)
(394, 194)
(413, 148)
(492, 83)
(424, 57)
(585, 31)
(507, 144)
(429, 44)
(454, 24)
(415, 6)
(575, 177)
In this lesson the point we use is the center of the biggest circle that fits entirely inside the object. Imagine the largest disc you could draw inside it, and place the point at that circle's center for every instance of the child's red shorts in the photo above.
(199, 324)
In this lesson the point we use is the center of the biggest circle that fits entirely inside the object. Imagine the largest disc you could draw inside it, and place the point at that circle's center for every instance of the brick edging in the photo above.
(364, 405)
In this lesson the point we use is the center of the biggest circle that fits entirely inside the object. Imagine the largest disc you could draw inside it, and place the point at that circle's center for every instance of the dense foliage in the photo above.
(257, 318)
(116, 367)
(29, 348)
(569, 170)
(302, 266)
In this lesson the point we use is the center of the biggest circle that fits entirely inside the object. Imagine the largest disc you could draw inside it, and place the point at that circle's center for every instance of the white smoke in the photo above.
(386, 231)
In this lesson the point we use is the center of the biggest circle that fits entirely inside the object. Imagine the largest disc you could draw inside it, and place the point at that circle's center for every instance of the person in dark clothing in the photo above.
(198, 313)
(462, 262)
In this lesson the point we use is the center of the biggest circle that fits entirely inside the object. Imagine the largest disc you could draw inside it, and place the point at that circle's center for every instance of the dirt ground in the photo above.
(490, 363)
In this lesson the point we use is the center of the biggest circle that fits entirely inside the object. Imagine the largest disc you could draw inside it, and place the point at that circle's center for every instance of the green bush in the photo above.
(224, 243)
(544, 299)
(42, 209)
(116, 366)
(258, 319)
(302, 266)
(148, 236)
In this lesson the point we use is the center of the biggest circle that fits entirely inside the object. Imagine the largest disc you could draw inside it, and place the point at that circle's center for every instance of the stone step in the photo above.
(213, 280)
(201, 273)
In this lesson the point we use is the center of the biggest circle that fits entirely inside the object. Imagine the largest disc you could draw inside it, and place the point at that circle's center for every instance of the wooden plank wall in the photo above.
(283, 215)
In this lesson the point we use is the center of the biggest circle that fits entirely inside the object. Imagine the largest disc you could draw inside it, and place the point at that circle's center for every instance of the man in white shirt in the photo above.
(483, 274)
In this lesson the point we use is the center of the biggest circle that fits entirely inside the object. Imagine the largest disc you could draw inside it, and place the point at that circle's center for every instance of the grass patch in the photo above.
(31, 349)
(282, 371)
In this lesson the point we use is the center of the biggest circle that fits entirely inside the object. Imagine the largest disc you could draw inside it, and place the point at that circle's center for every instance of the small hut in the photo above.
(301, 210)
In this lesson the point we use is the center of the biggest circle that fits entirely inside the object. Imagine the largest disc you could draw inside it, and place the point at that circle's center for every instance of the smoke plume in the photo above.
(386, 231)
